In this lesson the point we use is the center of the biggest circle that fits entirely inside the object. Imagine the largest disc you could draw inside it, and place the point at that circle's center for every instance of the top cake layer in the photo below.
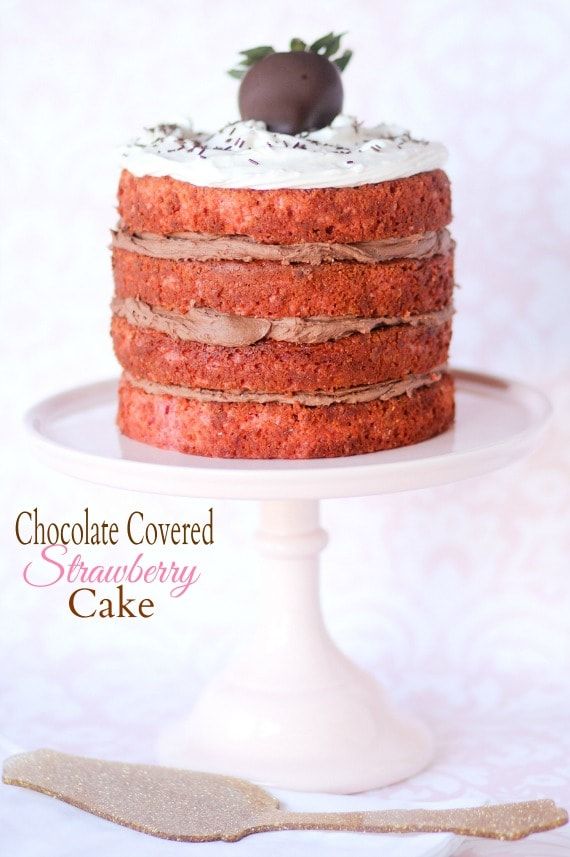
(343, 183)
(246, 155)
(392, 209)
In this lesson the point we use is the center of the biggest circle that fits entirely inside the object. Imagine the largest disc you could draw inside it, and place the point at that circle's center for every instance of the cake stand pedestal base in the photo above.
(290, 708)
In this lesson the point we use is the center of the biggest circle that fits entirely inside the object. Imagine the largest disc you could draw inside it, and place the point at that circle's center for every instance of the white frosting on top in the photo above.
(246, 155)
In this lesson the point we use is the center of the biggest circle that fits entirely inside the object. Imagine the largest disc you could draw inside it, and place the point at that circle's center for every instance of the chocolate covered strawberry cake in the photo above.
(283, 287)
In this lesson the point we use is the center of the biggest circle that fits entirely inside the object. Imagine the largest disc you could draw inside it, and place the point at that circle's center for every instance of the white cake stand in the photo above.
(290, 710)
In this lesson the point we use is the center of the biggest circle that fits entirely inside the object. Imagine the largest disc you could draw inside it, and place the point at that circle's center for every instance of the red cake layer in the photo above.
(273, 290)
(282, 367)
(248, 430)
(418, 204)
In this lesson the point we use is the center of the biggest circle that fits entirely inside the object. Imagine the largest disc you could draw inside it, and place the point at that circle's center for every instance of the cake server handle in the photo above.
(499, 821)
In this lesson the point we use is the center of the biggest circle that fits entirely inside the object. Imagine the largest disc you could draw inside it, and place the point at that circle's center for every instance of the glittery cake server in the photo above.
(198, 807)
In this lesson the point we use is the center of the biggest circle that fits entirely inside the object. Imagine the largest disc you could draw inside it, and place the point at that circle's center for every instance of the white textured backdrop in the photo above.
(458, 597)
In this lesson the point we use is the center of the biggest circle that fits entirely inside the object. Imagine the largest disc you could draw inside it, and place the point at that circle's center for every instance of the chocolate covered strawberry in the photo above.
(296, 90)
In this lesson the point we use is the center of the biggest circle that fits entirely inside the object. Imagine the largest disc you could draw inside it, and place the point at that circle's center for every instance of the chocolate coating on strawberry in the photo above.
(292, 92)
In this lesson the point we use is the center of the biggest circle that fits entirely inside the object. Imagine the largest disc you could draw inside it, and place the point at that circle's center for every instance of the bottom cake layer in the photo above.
(276, 430)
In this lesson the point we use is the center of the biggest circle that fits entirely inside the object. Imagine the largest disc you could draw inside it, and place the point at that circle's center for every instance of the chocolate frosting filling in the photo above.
(349, 396)
(210, 327)
(203, 247)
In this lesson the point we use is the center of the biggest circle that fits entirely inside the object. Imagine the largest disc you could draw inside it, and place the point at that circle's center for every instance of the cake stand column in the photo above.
(290, 709)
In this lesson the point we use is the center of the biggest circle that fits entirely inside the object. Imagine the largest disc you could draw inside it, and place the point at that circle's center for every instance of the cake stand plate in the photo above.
(289, 709)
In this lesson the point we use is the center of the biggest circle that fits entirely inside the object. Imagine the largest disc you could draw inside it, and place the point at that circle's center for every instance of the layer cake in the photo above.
(283, 295)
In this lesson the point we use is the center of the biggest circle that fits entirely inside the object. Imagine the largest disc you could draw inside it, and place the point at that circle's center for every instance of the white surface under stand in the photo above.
(290, 710)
